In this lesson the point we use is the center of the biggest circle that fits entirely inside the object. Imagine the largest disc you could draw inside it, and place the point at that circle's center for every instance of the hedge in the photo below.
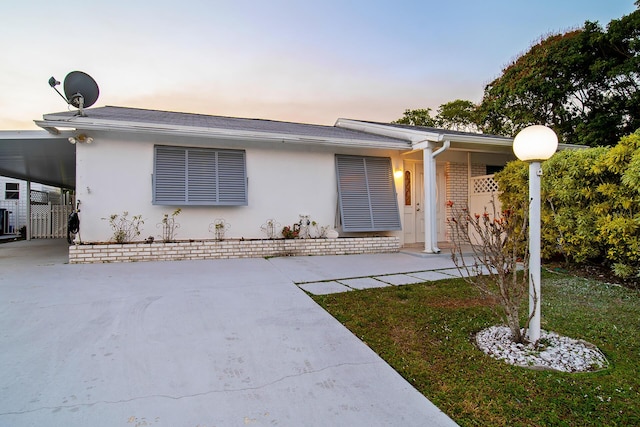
(591, 204)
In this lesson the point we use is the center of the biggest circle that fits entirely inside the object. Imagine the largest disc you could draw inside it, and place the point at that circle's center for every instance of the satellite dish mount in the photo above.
(80, 90)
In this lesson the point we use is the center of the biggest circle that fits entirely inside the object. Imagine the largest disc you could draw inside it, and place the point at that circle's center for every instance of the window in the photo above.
(199, 176)
(366, 194)
(490, 169)
(407, 188)
(12, 191)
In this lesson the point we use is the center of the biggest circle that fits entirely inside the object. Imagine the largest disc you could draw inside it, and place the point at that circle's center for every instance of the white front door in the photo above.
(413, 188)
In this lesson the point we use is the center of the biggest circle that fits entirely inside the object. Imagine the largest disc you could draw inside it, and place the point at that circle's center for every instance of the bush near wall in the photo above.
(591, 204)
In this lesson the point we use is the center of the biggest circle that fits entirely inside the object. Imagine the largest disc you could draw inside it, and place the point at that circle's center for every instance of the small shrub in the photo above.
(501, 242)
(219, 227)
(169, 226)
(125, 229)
(290, 232)
(270, 228)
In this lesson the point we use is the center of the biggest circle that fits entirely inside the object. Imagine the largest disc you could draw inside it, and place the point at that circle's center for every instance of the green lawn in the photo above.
(425, 332)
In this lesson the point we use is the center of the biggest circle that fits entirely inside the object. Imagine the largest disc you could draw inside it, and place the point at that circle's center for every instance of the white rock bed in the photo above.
(558, 353)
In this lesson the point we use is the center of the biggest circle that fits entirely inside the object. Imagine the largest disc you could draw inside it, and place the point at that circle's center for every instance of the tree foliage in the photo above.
(591, 209)
(458, 115)
(585, 84)
(419, 117)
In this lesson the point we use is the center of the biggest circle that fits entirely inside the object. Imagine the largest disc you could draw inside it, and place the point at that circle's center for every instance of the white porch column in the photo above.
(431, 208)
(430, 220)
(28, 210)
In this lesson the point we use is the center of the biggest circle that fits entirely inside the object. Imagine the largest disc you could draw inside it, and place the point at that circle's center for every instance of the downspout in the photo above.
(431, 220)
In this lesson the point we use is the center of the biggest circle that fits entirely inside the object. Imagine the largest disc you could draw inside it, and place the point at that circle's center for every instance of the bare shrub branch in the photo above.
(498, 242)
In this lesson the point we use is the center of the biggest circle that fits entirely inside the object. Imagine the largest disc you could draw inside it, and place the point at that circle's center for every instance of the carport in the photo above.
(38, 156)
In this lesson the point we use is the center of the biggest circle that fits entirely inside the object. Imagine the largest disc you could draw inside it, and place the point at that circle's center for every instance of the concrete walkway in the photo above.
(342, 273)
(194, 343)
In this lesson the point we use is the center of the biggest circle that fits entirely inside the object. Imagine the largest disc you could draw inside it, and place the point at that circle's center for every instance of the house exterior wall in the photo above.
(114, 175)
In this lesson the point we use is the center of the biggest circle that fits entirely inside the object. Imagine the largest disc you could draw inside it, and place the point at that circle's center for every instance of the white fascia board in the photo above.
(27, 134)
(413, 136)
(419, 136)
(137, 127)
(480, 139)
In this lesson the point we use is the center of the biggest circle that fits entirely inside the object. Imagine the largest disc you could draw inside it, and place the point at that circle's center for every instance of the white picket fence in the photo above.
(49, 221)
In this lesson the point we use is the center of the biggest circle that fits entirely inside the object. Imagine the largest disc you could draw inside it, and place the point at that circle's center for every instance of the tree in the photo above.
(584, 84)
(459, 115)
(419, 117)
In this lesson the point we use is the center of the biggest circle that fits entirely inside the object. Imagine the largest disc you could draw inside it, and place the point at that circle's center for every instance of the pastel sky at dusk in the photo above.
(301, 61)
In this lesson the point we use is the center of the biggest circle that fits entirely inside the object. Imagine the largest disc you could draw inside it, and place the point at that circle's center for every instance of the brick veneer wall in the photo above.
(458, 185)
(87, 254)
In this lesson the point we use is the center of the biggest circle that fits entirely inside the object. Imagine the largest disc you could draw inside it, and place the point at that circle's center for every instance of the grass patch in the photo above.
(425, 332)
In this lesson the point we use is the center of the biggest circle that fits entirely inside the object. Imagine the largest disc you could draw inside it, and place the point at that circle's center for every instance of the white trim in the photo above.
(149, 128)
(26, 134)
(419, 138)
(411, 135)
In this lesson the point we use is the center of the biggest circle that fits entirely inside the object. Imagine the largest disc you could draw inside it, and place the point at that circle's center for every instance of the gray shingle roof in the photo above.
(202, 121)
(437, 130)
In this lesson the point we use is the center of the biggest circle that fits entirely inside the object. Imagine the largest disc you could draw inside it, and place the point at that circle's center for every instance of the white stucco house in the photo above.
(360, 178)
(357, 177)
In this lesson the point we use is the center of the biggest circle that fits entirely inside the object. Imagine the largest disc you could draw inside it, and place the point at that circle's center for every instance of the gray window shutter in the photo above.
(232, 173)
(170, 175)
(192, 176)
(366, 194)
(203, 177)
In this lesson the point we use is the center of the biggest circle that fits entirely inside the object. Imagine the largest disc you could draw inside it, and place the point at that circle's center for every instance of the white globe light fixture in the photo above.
(534, 144)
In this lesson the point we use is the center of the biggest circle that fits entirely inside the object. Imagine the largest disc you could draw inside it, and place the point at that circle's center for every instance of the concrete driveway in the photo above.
(189, 343)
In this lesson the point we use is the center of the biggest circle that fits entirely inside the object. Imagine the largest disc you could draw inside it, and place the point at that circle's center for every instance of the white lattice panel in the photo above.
(484, 184)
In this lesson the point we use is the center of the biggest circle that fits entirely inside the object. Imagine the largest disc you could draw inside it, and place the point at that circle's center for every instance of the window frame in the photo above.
(13, 193)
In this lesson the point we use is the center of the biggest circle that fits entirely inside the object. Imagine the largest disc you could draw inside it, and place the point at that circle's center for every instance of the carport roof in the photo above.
(38, 156)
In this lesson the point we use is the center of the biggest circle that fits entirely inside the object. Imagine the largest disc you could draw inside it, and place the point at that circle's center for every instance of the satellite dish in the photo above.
(80, 90)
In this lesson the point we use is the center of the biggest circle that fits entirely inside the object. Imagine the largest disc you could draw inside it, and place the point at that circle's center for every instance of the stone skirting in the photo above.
(213, 249)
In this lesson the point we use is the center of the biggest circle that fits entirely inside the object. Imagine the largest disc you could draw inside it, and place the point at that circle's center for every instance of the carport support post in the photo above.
(28, 225)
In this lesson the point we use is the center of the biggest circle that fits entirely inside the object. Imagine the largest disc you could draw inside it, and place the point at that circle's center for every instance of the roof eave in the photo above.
(417, 135)
(413, 136)
(81, 123)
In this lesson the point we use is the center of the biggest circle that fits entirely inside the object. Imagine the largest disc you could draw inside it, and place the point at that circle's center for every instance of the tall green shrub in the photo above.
(591, 204)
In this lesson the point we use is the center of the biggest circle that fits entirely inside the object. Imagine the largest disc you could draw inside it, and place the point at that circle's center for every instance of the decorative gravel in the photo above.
(554, 352)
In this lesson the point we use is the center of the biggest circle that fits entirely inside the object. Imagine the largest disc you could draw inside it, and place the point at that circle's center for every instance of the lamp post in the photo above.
(534, 144)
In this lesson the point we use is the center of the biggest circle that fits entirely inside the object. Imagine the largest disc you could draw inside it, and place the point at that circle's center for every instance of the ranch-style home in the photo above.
(358, 178)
